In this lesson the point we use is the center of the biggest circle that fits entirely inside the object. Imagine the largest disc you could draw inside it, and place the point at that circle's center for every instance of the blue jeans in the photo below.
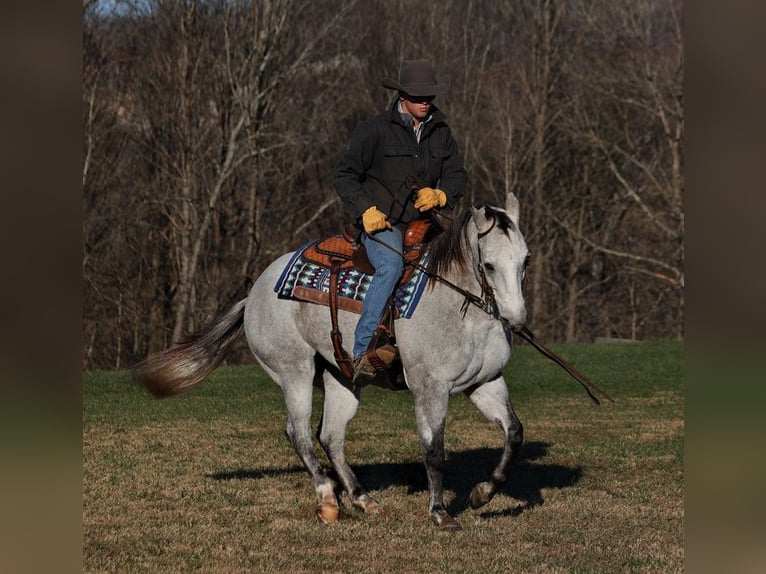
(388, 266)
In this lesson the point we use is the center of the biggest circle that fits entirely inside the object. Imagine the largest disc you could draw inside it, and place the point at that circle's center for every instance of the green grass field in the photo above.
(208, 482)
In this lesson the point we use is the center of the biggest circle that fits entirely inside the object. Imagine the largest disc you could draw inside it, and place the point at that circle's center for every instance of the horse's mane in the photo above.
(450, 249)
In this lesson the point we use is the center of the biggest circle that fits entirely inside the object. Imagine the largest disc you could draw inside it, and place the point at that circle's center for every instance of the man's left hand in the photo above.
(429, 197)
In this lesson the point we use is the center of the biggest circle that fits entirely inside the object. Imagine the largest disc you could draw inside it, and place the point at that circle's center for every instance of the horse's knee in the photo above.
(327, 440)
(433, 450)
(289, 433)
(516, 435)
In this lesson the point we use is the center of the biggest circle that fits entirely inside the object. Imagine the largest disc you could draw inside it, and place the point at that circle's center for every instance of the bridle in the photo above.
(487, 303)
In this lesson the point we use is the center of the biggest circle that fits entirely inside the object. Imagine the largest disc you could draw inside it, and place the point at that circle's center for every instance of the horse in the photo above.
(455, 341)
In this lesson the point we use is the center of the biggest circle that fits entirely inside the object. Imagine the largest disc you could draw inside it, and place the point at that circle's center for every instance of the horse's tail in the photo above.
(187, 363)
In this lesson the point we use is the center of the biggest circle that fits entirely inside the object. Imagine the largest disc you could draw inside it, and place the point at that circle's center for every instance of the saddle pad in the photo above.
(307, 281)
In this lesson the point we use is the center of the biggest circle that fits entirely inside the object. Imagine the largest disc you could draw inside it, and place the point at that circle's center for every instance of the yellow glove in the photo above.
(429, 197)
(374, 220)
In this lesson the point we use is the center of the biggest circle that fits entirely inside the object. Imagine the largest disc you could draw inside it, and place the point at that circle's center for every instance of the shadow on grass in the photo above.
(462, 471)
(465, 468)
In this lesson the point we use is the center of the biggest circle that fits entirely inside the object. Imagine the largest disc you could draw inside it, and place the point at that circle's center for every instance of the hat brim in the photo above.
(421, 90)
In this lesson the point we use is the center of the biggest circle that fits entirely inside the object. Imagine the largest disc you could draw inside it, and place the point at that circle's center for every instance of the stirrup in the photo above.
(374, 361)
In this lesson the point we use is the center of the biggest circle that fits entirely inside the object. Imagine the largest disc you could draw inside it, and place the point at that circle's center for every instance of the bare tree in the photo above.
(211, 128)
(209, 99)
(628, 110)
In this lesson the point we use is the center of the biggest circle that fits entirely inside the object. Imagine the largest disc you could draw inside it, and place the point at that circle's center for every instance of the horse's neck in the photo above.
(458, 282)
(465, 279)
(472, 335)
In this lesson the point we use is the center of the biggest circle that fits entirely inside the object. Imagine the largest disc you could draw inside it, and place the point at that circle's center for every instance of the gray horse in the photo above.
(447, 346)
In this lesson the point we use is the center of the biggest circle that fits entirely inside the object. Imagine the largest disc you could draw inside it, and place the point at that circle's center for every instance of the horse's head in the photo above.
(502, 257)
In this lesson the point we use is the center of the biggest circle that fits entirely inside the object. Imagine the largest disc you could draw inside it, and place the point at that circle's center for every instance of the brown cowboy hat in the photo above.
(417, 78)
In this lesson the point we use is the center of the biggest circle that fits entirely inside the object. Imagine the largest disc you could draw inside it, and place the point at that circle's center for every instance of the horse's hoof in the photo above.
(368, 505)
(445, 522)
(481, 494)
(373, 508)
(328, 513)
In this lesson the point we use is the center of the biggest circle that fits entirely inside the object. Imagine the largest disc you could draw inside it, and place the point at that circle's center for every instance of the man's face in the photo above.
(417, 106)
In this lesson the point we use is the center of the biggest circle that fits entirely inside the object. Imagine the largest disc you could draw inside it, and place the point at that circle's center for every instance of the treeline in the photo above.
(211, 129)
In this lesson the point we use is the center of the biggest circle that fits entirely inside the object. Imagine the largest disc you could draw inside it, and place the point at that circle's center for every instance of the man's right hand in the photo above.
(374, 220)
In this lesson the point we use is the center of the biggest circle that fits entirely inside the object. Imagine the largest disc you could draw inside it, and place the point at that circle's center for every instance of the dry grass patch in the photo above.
(210, 484)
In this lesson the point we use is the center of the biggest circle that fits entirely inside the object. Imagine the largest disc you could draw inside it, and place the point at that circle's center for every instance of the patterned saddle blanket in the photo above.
(306, 277)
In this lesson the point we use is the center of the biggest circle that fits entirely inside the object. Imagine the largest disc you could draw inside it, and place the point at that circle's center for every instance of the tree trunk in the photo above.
(545, 17)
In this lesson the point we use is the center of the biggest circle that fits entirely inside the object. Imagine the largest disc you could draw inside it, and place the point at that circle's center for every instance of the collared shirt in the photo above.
(410, 121)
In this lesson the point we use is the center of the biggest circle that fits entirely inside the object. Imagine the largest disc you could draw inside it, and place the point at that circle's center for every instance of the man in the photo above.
(411, 139)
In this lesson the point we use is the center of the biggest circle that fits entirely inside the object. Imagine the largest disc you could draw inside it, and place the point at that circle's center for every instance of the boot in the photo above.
(366, 367)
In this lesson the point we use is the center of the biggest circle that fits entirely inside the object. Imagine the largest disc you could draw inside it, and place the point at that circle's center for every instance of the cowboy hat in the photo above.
(417, 78)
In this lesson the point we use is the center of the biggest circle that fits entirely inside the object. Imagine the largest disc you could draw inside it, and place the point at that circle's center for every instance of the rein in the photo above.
(530, 338)
(470, 298)
(486, 302)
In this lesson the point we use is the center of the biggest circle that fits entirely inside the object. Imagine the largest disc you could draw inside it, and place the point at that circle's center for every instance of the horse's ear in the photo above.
(479, 216)
(512, 207)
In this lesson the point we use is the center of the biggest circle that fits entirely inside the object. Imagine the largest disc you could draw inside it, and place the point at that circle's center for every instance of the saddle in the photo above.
(346, 251)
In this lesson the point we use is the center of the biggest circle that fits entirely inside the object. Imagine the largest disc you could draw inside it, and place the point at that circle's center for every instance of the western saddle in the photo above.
(346, 251)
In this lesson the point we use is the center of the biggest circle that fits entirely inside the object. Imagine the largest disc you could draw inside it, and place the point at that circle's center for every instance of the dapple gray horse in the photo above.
(446, 347)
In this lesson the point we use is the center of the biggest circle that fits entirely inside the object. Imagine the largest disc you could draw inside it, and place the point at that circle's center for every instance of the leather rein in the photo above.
(486, 302)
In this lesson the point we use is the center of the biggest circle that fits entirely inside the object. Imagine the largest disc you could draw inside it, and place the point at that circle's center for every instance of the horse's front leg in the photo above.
(492, 400)
(431, 414)
(340, 406)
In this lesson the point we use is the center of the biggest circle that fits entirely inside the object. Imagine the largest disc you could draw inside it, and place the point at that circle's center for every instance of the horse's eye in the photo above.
(527, 260)
(489, 267)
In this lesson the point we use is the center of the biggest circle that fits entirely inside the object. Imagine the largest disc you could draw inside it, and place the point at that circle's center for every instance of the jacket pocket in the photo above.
(395, 151)
(437, 157)
(439, 153)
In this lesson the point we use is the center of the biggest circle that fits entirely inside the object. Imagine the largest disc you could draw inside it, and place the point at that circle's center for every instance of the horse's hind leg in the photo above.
(492, 400)
(297, 390)
(340, 406)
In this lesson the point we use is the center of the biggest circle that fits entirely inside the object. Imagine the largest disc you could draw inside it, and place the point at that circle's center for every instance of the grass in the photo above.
(207, 481)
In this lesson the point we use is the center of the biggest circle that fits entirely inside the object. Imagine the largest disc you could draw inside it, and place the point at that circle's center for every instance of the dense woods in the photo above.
(210, 129)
